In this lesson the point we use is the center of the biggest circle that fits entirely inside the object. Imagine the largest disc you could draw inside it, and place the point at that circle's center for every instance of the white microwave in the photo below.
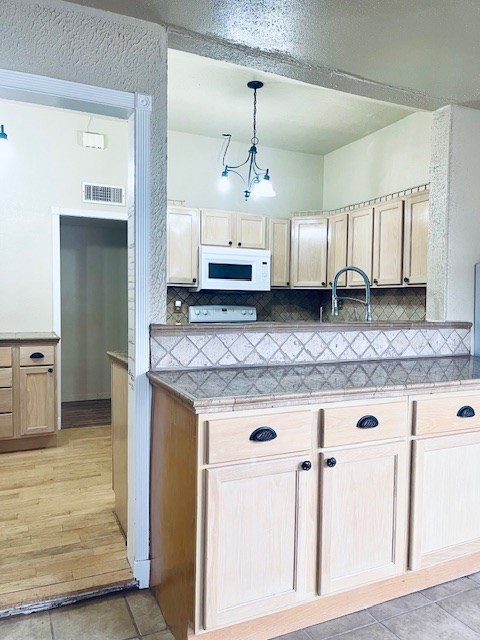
(233, 269)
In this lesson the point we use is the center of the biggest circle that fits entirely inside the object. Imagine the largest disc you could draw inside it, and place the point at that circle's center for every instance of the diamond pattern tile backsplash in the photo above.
(194, 346)
(300, 305)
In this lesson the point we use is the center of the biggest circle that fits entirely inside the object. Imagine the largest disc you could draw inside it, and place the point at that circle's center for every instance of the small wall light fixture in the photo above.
(257, 182)
(3, 135)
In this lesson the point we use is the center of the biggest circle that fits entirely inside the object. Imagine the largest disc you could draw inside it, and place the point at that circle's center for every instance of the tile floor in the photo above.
(450, 611)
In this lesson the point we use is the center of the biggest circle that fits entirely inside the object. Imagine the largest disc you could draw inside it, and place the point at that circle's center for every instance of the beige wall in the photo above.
(393, 158)
(42, 165)
(94, 304)
(195, 165)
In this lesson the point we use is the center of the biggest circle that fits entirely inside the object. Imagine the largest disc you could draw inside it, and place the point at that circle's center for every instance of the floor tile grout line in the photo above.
(457, 618)
(342, 633)
(132, 617)
(427, 604)
(387, 629)
(52, 632)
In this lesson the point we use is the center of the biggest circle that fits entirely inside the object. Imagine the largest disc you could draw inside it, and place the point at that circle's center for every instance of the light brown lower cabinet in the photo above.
(446, 505)
(364, 515)
(37, 405)
(269, 529)
(256, 538)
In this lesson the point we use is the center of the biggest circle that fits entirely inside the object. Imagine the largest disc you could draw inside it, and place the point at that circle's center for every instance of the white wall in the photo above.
(195, 165)
(42, 165)
(94, 304)
(393, 158)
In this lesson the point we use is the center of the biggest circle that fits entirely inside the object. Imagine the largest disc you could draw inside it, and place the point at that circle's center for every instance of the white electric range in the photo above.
(221, 313)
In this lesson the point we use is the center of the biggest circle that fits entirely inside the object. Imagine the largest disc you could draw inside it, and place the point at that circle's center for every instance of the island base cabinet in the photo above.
(364, 515)
(446, 509)
(256, 539)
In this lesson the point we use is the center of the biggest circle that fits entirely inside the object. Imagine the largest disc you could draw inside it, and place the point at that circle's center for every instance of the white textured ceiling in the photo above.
(429, 47)
(208, 97)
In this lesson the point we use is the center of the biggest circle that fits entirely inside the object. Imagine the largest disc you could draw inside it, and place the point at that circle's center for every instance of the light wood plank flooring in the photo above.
(58, 532)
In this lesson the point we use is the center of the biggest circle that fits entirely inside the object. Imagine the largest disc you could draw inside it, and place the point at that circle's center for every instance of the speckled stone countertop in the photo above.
(119, 356)
(230, 389)
(28, 337)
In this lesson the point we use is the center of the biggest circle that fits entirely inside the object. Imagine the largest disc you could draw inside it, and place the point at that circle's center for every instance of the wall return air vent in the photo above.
(103, 194)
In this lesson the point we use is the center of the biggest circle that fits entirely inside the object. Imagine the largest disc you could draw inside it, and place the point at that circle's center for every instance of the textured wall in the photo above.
(61, 40)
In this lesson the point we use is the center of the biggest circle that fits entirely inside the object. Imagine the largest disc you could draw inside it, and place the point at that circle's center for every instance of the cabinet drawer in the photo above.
(6, 377)
(442, 413)
(363, 423)
(5, 400)
(6, 425)
(5, 356)
(232, 438)
(46, 351)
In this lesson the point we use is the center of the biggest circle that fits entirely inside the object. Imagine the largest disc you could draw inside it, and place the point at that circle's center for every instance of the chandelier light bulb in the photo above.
(224, 183)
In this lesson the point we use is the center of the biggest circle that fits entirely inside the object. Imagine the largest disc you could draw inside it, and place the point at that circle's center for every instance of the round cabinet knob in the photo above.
(230, 242)
(194, 280)
(406, 280)
(50, 370)
(331, 462)
(375, 282)
(307, 465)
(329, 284)
(239, 244)
(324, 284)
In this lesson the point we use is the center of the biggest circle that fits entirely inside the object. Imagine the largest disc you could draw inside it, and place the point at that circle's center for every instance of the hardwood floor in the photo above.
(58, 532)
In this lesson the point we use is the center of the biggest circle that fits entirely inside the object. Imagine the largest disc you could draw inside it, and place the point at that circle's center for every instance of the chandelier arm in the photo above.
(237, 166)
(232, 170)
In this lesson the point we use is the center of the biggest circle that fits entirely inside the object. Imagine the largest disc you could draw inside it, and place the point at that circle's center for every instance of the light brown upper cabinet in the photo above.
(416, 239)
(360, 244)
(279, 245)
(309, 252)
(233, 229)
(388, 243)
(337, 247)
(183, 237)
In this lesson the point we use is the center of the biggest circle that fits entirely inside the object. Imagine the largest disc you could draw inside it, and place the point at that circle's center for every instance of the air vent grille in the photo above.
(103, 194)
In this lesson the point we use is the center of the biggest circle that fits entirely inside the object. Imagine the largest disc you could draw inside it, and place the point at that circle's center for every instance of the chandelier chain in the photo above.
(254, 139)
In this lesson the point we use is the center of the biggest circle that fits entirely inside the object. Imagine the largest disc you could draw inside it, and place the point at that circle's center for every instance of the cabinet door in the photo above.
(360, 245)
(217, 227)
(256, 540)
(364, 516)
(37, 400)
(337, 247)
(279, 245)
(446, 509)
(388, 243)
(416, 239)
(251, 231)
(183, 237)
(309, 252)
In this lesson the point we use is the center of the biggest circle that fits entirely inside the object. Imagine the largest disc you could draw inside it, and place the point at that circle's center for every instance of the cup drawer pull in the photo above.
(37, 355)
(466, 412)
(263, 434)
(367, 422)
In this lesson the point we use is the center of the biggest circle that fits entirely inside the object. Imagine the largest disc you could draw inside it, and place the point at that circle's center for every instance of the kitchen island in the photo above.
(283, 496)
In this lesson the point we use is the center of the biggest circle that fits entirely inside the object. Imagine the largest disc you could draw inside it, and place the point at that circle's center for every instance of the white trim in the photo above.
(142, 573)
(57, 306)
(87, 213)
(65, 94)
(45, 87)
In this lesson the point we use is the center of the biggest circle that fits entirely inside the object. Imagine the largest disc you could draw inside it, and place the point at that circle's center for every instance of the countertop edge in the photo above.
(119, 357)
(29, 337)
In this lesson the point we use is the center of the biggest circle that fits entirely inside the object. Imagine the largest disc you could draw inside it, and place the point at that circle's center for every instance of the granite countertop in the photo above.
(28, 337)
(228, 389)
(119, 356)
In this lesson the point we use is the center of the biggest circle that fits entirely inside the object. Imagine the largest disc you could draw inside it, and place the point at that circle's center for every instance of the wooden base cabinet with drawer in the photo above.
(27, 396)
(267, 521)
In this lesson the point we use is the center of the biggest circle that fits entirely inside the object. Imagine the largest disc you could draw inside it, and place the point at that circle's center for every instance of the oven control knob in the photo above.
(197, 312)
(205, 312)
(244, 313)
(250, 313)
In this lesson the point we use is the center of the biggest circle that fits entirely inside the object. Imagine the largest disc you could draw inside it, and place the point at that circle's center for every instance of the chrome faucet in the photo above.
(366, 302)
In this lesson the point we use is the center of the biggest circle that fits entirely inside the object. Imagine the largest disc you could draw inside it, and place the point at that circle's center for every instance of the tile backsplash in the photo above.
(303, 305)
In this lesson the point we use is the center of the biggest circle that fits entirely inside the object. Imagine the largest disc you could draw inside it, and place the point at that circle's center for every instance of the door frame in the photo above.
(136, 109)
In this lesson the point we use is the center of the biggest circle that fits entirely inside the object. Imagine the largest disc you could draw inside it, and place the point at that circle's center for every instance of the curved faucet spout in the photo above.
(335, 297)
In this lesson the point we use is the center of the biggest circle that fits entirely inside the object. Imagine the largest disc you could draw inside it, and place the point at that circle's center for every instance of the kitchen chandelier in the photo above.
(257, 182)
